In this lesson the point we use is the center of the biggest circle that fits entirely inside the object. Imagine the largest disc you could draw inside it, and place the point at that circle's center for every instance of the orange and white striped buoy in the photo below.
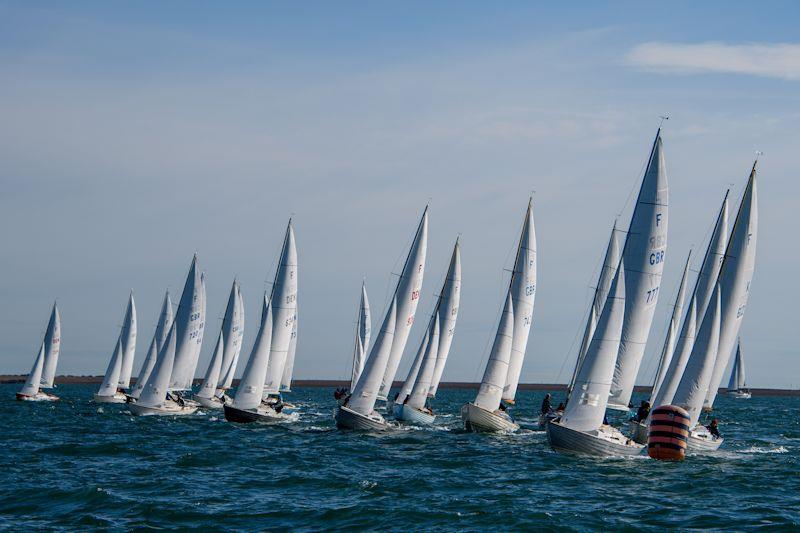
(668, 433)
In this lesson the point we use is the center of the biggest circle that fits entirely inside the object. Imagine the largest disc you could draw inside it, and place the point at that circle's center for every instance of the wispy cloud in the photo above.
(781, 60)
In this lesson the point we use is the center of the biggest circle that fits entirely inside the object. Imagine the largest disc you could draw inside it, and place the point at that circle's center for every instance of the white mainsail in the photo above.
(363, 331)
(737, 380)
(643, 253)
(284, 304)
(251, 386)
(419, 394)
(52, 347)
(449, 301)
(494, 376)
(706, 278)
(232, 331)
(111, 379)
(587, 408)
(288, 368)
(189, 324)
(159, 337)
(609, 268)
(128, 338)
(523, 293)
(31, 387)
(672, 331)
(155, 389)
(406, 298)
(209, 386)
(735, 277)
(693, 386)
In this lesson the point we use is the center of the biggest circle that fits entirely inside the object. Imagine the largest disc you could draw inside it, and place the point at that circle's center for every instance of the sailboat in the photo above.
(358, 410)
(609, 268)
(118, 373)
(581, 430)
(211, 395)
(733, 288)
(643, 254)
(501, 376)
(639, 427)
(233, 332)
(737, 387)
(159, 337)
(264, 371)
(176, 362)
(411, 404)
(42, 375)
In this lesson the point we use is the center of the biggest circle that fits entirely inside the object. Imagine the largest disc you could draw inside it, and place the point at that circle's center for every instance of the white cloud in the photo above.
(781, 60)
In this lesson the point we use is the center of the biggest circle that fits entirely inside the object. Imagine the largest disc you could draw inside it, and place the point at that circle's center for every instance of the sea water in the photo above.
(75, 464)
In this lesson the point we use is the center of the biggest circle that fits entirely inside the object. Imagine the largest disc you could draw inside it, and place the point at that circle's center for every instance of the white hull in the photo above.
(168, 408)
(210, 403)
(407, 413)
(700, 440)
(116, 398)
(603, 442)
(638, 431)
(38, 397)
(262, 414)
(478, 419)
(346, 418)
(739, 394)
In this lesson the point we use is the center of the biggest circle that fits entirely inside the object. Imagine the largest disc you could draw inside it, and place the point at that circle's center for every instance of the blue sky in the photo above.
(134, 134)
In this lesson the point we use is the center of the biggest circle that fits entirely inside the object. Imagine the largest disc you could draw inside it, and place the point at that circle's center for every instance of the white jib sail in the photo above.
(284, 306)
(712, 261)
(735, 277)
(251, 386)
(419, 394)
(494, 376)
(128, 337)
(737, 381)
(643, 252)
(411, 378)
(449, 300)
(694, 384)
(610, 262)
(365, 393)
(586, 409)
(672, 331)
(406, 297)
(52, 347)
(288, 368)
(233, 331)
(111, 379)
(159, 337)
(157, 385)
(189, 324)
(523, 292)
(31, 387)
(363, 332)
(211, 379)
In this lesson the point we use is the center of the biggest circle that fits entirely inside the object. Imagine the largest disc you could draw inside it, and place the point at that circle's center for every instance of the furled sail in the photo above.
(449, 300)
(251, 386)
(672, 331)
(128, 336)
(232, 331)
(189, 324)
(712, 260)
(159, 337)
(52, 347)
(643, 253)
(284, 305)
(523, 292)
(406, 297)
(735, 277)
(363, 331)
(587, 408)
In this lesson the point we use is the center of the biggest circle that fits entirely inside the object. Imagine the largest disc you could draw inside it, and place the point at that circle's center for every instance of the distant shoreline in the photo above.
(334, 383)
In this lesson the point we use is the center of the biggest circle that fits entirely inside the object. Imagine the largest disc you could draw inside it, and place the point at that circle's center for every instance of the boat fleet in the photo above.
(703, 328)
